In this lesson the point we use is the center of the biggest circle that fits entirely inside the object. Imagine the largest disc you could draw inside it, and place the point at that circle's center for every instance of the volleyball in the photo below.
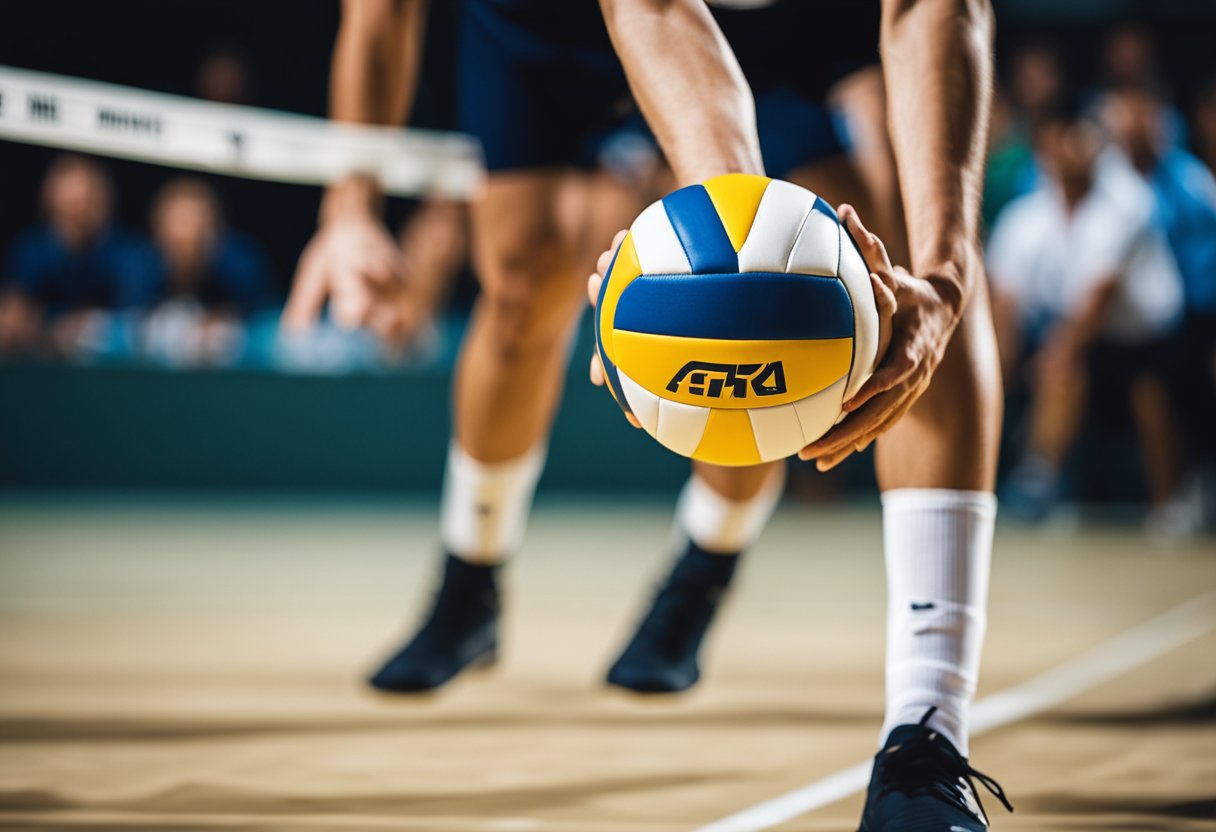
(736, 318)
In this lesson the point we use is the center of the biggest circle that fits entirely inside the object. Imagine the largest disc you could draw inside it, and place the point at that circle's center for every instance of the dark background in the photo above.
(158, 45)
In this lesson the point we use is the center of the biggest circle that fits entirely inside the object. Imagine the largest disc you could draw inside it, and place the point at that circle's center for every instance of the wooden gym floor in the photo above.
(197, 667)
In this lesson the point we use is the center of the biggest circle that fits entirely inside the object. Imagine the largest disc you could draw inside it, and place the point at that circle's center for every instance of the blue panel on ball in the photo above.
(700, 230)
(822, 207)
(751, 306)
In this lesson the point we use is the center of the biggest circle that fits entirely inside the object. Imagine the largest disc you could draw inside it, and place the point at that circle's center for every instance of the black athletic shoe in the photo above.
(662, 656)
(921, 783)
(460, 631)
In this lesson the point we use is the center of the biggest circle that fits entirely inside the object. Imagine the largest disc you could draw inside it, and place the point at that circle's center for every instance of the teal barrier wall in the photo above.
(146, 428)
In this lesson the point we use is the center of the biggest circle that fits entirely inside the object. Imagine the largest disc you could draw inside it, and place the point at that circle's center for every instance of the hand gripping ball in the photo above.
(735, 319)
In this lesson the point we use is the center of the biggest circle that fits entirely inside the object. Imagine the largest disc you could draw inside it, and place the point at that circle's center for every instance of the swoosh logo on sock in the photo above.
(927, 606)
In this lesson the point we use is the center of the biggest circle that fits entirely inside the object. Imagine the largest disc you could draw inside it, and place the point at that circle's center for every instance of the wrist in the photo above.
(953, 276)
(357, 196)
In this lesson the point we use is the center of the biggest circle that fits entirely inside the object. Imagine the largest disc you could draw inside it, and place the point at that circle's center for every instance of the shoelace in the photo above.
(908, 766)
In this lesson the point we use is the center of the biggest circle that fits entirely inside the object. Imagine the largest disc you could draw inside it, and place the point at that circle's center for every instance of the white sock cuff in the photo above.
(912, 499)
(718, 524)
(486, 504)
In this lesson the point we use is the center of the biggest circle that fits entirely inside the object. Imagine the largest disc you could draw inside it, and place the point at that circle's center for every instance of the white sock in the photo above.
(724, 526)
(938, 549)
(485, 505)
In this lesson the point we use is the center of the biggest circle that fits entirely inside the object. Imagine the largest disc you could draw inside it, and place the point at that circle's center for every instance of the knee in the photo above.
(530, 298)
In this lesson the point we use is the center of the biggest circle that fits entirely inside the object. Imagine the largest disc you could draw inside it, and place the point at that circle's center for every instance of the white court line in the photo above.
(1103, 663)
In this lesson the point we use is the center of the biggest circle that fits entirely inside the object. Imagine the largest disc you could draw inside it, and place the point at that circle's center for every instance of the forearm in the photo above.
(688, 84)
(937, 62)
(373, 78)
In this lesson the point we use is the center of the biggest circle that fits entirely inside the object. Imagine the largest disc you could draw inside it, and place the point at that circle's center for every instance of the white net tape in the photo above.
(111, 120)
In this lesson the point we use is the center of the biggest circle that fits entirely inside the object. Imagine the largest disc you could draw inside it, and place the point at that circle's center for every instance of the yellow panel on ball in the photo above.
(624, 269)
(736, 198)
(728, 439)
(725, 373)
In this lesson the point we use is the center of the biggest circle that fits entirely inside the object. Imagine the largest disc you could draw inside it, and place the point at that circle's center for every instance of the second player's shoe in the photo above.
(662, 656)
(460, 631)
(921, 783)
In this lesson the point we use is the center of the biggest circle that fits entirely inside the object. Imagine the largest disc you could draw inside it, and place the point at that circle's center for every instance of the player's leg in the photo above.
(937, 468)
(720, 514)
(521, 92)
(511, 367)
(508, 381)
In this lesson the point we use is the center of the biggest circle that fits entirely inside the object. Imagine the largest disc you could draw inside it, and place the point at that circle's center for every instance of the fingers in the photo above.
(856, 428)
(396, 323)
(872, 248)
(308, 294)
(883, 380)
(857, 432)
(597, 370)
(593, 289)
(604, 263)
(633, 420)
(887, 307)
(352, 298)
(884, 297)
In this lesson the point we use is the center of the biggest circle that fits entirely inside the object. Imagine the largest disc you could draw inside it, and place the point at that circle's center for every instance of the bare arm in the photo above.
(694, 97)
(352, 262)
(373, 78)
(937, 62)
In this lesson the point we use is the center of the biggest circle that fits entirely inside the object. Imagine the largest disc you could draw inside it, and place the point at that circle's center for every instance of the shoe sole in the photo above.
(480, 666)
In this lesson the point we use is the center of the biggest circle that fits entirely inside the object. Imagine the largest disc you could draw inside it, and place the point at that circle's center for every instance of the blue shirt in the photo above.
(108, 274)
(238, 277)
(1186, 207)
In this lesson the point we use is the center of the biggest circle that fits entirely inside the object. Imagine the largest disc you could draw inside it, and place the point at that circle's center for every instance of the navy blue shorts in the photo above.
(538, 81)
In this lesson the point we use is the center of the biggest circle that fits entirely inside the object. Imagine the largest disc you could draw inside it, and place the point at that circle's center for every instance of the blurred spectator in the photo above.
(210, 279)
(1185, 192)
(62, 275)
(1204, 124)
(223, 76)
(1129, 54)
(1035, 81)
(1129, 59)
(1085, 285)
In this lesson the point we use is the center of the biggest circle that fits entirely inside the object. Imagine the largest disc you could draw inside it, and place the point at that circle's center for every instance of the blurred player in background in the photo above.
(535, 79)
(1139, 120)
(1086, 284)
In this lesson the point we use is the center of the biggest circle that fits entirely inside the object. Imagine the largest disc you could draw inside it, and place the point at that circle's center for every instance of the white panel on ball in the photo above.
(643, 403)
(681, 426)
(659, 249)
(856, 278)
(777, 431)
(781, 212)
(817, 249)
(819, 411)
